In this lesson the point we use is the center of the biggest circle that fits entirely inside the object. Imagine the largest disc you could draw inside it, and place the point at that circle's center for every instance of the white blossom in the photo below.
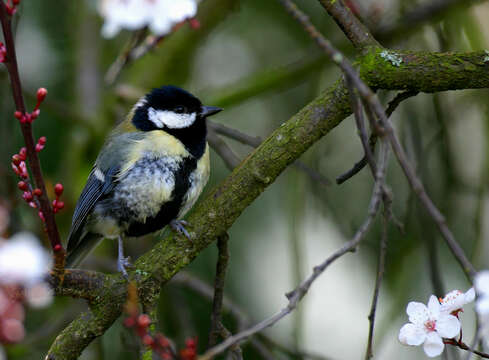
(455, 300)
(159, 15)
(428, 326)
(23, 260)
(481, 283)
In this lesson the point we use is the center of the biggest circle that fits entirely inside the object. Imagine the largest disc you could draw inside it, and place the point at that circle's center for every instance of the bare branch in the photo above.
(359, 165)
(298, 293)
(26, 127)
(221, 268)
(222, 149)
(255, 141)
(353, 28)
(378, 282)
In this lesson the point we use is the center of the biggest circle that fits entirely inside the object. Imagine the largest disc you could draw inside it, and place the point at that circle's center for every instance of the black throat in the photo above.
(192, 137)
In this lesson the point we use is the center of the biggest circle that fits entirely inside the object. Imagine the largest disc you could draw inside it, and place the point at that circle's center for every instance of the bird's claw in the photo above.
(179, 227)
(122, 264)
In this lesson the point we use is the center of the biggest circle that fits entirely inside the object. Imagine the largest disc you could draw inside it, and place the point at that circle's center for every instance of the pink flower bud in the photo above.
(39, 147)
(22, 185)
(16, 159)
(41, 94)
(144, 320)
(35, 114)
(18, 115)
(42, 140)
(23, 153)
(148, 340)
(194, 23)
(58, 189)
(41, 216)
(3, 52)
(37, 192)
(60, 205)
(27, 196)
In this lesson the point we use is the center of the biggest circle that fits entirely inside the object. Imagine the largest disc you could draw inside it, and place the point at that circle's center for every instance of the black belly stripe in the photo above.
(168, 210)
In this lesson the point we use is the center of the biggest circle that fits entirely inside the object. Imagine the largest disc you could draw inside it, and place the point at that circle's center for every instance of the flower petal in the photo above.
(482, 305)
(448, 326)
(470, 295)
(433, 346)
(481, 282)
(418, 312)
(411, 334)
(456, 299)
(434, 306)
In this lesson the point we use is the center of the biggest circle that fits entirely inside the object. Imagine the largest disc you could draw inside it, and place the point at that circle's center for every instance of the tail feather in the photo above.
(84, 246)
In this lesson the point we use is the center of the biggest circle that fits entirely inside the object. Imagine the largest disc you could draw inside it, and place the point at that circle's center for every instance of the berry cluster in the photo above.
(57, 204)
(160, 345)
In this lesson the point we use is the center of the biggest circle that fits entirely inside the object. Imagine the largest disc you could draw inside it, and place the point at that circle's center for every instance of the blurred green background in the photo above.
(251, 58)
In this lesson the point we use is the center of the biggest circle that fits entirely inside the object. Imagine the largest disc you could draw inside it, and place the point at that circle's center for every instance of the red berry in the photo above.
(37, 192)
(18, 115)
(41, 94)
(58, 189)
(57, 247)
(144, 320)
(22, 185)
(60, 205)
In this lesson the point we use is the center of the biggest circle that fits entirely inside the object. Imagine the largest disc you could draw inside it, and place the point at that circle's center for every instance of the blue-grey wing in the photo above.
(99, 183)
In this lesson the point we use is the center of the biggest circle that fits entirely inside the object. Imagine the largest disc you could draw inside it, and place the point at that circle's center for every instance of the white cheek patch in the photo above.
(170, 119)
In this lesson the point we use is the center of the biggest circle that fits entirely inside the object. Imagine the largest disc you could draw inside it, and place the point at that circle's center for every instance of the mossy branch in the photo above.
(211, 218)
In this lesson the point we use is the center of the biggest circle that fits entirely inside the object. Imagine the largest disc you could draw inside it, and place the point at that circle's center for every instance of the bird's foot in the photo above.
(122, 264)
(179, 227)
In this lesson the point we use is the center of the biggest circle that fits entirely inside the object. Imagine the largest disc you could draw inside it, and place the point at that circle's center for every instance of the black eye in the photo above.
(180, 109)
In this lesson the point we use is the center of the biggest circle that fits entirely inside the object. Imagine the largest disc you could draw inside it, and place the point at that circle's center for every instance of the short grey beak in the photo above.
(210, 110)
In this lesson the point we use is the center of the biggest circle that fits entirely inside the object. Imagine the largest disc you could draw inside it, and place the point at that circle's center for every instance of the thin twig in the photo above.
(464, 346)
(353, 28)
(236, 352)
(221, 268)
(359, 165)
(378, 283)
(294, 353)
(298, 293)
(255, 141)
(223, 150)
(135, 49)
(34, 163)
(374, 105)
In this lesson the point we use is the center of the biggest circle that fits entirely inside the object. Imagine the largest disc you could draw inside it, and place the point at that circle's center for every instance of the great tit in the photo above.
(149, 173)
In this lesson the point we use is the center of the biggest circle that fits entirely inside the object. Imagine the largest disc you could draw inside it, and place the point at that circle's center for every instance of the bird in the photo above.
(149, 173)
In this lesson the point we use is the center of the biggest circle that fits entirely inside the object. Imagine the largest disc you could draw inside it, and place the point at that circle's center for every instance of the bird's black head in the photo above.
(177, 112)
(170, 107)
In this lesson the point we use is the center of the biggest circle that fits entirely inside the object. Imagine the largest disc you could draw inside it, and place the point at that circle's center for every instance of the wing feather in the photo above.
(94, 189)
